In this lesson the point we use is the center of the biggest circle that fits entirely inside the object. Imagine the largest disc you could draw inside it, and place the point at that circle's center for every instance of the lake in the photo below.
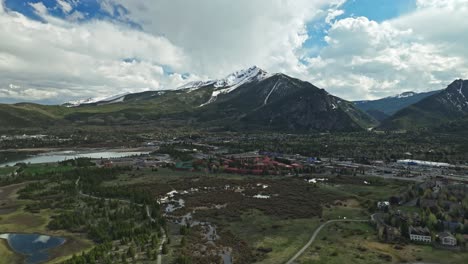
(66, 155)
(33, 246)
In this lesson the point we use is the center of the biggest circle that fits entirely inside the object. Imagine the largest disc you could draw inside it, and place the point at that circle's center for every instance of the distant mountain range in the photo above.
(449, 105)
(383, 108)
(251, 99)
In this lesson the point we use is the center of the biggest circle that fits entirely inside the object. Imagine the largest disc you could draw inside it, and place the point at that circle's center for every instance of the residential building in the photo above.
(420, 234)
(383, 204)
(447, 239)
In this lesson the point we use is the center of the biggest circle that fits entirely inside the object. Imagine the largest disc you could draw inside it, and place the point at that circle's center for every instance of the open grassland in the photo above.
(279, 236)
(357, 243)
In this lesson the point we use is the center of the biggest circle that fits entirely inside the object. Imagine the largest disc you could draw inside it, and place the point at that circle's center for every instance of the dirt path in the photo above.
(314, 236)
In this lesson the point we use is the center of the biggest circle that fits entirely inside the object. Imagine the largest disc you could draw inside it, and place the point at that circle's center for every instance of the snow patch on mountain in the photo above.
(235, 80)
(404, 95)
(191, 86)
(271, 91)
(104, 99)
(232, 81)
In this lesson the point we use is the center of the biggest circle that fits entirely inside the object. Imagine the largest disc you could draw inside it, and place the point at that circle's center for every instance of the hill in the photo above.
(383, 108)
(448, 105)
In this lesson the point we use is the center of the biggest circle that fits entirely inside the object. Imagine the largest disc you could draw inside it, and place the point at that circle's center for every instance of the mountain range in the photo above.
(250, 99)
(384, 108)
(448, 105)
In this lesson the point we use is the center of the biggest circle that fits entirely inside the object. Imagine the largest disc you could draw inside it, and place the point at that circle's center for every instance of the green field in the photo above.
(283, 237)
(357, 243)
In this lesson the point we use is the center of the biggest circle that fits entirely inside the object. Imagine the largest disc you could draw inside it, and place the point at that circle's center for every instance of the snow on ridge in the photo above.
(404, 95)
(107, 99)
(240, 77)
(235, 80)
(195, 85)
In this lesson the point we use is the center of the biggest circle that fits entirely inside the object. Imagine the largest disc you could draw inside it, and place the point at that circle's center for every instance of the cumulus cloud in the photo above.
(421, 51)
(64, 6)
(65, 60)
(204, 38)
(363, 59)
(332, 14)
(223, 36)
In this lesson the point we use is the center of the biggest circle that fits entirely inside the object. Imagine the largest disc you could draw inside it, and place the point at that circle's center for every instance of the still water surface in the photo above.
(33, 246)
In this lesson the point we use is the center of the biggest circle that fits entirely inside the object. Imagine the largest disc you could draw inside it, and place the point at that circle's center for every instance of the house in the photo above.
(383, 205)
(420, 234)
(447, 239)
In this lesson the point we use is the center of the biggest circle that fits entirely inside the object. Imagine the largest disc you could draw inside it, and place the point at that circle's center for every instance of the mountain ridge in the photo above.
(446, 106)
(383, 108)
(246, 99)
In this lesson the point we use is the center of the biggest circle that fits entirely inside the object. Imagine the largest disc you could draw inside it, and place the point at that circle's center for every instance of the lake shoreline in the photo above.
(17, 257)
(22, 257)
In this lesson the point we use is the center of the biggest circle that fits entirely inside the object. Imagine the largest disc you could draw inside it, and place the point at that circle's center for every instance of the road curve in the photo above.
(314, 236)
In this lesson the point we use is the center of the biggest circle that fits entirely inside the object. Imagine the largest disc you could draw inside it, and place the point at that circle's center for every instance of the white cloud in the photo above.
(223, 36)
(64, 6)
(450, 4)
(364, 59)
(420, 51)
(205, 38)
(39, 8)
(62, 60)
(332, 14)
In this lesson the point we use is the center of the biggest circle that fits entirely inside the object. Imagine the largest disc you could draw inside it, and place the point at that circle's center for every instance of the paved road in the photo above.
(314, 236)
(164, 238)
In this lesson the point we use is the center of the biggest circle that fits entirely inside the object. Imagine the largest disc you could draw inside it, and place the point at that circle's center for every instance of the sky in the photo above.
(53, 51)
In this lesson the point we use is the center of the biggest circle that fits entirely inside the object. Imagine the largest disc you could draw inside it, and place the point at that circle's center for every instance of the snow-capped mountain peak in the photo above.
(233, 80)
(228, 83)
(240, 77)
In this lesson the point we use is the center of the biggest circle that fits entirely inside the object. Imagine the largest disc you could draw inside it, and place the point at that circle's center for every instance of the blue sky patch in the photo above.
(91, 9)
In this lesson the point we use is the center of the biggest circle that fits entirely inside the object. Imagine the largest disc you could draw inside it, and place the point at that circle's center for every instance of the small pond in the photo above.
(33, 246)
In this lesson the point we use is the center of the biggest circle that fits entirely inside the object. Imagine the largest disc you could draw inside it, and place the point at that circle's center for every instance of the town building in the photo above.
(420, 234)
(383, 205)
(447, 239)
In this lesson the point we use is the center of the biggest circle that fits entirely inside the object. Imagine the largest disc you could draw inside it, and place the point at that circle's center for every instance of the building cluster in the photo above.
(433, 212)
